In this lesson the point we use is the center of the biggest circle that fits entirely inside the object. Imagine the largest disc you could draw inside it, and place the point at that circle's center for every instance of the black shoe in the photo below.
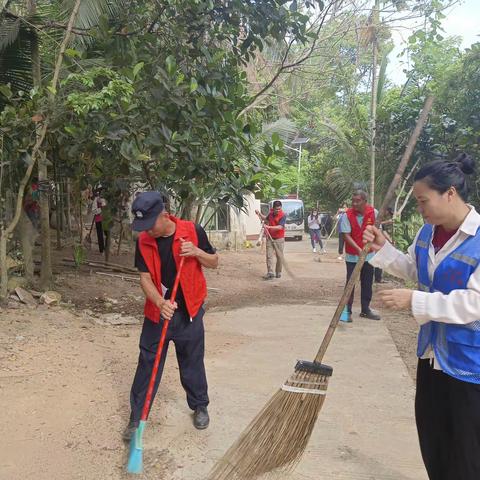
(129, 431)
(278, 275)
(269, 276)
(201, 418)
(371, 314)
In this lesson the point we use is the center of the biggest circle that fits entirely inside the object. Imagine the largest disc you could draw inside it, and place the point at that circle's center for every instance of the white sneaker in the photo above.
(324, 250)
(314, 250)
(340, 258)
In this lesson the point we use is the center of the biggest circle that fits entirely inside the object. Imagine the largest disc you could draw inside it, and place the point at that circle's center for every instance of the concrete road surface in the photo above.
(366, 429)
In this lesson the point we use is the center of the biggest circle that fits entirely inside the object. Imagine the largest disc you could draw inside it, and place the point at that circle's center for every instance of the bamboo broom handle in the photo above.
(422, 119)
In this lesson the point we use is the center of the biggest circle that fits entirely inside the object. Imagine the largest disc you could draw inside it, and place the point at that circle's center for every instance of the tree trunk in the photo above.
(27, 234)
(3, 266)
(373, 109)
(108, 242)
(187, 209)
(199, 214)
(61, 204)
(58, 212)
(68, 207)
(120, 237)
(6, 232)
(46, 265)
(80, 219)
(405, 202)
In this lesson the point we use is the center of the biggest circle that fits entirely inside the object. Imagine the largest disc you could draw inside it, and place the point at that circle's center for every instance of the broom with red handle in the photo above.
(135, 458)
(279, 434)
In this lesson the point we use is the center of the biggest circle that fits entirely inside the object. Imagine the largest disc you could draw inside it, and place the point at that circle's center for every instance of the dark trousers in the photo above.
(378, 275)
(366, 284)
(101, 241)
(189, 340)
(447, 412)
(341, 243)
(103, 236)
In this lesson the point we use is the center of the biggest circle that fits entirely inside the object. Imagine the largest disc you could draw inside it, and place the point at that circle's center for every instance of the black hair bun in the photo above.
(465, 163)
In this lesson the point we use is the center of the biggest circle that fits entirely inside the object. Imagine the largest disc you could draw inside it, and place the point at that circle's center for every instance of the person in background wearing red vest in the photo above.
(98, 204)
(275, 223)
(353, 224)
(161, 243)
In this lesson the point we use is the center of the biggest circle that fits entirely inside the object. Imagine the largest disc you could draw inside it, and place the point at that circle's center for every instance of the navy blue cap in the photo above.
(146, 208)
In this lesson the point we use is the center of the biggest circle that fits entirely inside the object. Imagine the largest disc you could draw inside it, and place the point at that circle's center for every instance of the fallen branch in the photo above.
(115, 265)
(123, 277)
(106, 265)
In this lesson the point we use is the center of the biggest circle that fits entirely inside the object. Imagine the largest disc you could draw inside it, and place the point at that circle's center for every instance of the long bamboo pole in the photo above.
(422, 119)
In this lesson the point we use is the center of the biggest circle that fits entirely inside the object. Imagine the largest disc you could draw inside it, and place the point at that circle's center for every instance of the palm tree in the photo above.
(17, 42)
(29, 26)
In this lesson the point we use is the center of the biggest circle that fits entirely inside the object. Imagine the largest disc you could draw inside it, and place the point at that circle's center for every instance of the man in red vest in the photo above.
(162, 241)
(353, 224)
(275, 224)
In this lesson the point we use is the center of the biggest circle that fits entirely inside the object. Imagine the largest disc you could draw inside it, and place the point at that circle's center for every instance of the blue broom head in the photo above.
(135, 458)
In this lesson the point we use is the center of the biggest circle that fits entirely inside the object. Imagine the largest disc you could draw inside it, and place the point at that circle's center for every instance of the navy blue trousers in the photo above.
(366, 283)
(189, 340)
(447, 412)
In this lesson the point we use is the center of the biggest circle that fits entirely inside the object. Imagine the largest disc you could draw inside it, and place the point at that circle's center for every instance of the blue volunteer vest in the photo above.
(456, 347)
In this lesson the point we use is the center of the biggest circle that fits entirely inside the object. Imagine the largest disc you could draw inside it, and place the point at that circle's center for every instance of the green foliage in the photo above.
(86, 96)
(405, 231)
(151, 93)
(335, 113)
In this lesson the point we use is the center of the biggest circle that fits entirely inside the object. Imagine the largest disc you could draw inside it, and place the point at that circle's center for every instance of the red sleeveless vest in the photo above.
(192, 280)
(357, 231)
(273, 221)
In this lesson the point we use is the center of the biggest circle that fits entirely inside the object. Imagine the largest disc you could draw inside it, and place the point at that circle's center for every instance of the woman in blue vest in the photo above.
(444, 261)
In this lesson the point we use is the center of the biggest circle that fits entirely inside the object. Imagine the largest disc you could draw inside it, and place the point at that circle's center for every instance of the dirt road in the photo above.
(64, 379)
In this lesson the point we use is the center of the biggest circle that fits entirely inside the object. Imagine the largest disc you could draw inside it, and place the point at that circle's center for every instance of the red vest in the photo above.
(273, 221)
(192, 281)
(357, 231)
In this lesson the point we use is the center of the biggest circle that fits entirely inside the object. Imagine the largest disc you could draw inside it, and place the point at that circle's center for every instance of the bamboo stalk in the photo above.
(422, 119)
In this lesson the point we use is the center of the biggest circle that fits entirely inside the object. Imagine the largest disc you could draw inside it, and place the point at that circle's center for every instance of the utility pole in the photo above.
(373, 105)
(298, 170)
(298, 141)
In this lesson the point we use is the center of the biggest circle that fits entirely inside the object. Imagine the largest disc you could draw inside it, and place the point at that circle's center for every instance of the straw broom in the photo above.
(279, 434)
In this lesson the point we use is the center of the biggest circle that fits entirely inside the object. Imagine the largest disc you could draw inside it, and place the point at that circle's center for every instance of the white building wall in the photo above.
(243, 226)
(250, 219)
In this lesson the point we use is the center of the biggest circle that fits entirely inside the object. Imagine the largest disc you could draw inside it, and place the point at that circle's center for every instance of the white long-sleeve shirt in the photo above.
(460, 306)
(313, 222)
